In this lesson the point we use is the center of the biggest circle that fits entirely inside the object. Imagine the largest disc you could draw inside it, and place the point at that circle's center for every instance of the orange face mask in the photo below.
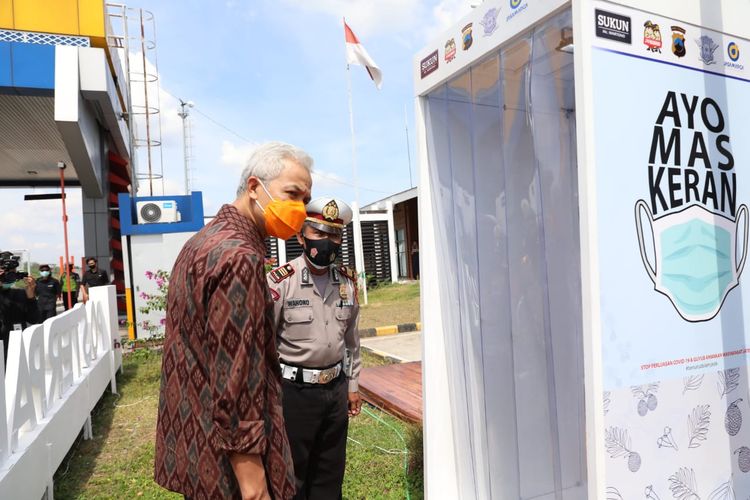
(284, 218)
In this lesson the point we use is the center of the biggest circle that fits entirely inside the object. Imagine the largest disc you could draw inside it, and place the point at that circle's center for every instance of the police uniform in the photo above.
(47, 291)
(318, 347)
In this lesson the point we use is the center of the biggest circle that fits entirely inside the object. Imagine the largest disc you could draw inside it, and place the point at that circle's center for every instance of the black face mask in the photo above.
(323, 252)
(92, 267)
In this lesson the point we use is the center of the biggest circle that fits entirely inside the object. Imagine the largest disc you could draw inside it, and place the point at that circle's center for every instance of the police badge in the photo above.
(331, 211)
(678, 41)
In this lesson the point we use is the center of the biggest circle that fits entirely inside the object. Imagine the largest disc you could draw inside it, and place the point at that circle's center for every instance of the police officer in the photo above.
(17, 307)
(93, 277)
(75, 283)
(316, 314)
(47, 293)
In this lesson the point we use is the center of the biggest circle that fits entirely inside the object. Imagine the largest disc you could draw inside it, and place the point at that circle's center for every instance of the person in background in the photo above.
(415, 260)
(47, 293)
(93, 277)
(17, 307)
(75, 283)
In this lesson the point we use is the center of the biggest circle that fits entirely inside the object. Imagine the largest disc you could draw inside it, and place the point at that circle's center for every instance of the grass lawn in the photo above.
(391, 304)
(118, 461)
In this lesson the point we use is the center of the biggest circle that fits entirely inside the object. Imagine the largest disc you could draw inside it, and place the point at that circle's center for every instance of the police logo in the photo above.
(343, 292)
(331, 211)
(450, 50)
(678, 41)
(489, 22)
(707, 47)
(652, 37)
(466, 36)
(733, 51)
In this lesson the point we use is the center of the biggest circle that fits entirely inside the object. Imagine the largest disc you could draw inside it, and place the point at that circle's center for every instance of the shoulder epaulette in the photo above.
(281, 273)
(348, 272)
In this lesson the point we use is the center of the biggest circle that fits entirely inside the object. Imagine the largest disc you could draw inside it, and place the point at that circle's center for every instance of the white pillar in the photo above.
(359, 254)
(281, 248)
(392, 241)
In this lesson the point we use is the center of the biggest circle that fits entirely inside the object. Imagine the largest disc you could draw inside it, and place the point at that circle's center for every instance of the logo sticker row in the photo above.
(619, 28)
(489, 25)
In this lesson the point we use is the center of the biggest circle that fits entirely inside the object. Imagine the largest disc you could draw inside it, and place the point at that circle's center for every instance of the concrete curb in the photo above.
(390, 358)
(390, 330)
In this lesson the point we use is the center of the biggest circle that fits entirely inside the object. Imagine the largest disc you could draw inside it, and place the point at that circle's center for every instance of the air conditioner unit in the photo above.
(157, 212)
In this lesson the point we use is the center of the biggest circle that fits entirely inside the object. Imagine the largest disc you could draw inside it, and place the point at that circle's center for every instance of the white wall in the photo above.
(152, 252)
(56, 373)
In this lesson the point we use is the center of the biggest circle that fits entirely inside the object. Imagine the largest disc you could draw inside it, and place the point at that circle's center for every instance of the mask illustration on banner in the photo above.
(699, 237)
(489, 21)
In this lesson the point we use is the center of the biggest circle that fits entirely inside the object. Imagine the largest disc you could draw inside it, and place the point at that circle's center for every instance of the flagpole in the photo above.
(408, 149)
(357, 230)
(351, 129)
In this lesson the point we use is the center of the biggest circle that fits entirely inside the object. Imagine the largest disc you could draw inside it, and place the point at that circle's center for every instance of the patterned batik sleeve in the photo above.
(236, 323)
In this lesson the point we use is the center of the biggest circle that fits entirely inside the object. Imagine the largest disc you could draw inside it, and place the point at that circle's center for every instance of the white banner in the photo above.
(671, 120)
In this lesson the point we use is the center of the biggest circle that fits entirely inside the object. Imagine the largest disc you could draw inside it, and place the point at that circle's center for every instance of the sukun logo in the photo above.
(429, 64)
(696, 248)
(733, 52)
(516, 7)
(613, 26)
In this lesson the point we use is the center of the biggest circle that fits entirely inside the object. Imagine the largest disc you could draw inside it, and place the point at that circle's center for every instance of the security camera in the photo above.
(61, 165)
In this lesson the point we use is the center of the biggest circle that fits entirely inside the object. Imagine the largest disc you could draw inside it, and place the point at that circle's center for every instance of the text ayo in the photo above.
(689, 121)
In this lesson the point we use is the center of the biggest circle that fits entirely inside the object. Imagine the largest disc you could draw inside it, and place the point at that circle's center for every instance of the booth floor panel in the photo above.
(396, 389)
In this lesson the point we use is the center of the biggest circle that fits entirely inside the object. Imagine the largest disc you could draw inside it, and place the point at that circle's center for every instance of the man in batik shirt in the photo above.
(220, 430)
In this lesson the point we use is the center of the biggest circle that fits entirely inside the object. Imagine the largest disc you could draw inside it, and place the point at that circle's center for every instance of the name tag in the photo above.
(297, 302)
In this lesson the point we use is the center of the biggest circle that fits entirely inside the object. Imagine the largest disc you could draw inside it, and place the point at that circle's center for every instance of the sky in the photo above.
(261, 70)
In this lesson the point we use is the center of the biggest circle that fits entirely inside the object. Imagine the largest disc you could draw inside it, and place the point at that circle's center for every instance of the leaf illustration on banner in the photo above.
(613, 494)
(733, 418)
(646, 397)
(666, 440)
(723, 492)
(729, 380)
(607, 401)
(651, 494)
(743, 458)
(682, 484)
(618, 445)
(692, 383)
(698, 421)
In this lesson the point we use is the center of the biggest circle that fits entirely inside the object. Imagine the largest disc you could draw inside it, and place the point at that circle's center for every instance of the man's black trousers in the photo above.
(316, 423)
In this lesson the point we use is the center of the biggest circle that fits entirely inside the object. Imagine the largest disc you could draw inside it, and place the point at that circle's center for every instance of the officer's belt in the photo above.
(310, 376)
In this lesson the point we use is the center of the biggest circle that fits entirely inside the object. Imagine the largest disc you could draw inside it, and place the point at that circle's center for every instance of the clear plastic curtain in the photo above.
(501, 146)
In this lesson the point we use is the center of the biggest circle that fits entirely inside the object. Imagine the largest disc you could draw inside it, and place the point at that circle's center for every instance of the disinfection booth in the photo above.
(584, 182)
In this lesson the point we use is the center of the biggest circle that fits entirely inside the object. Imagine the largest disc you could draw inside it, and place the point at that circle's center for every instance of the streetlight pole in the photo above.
(184, 114)
(61, 167)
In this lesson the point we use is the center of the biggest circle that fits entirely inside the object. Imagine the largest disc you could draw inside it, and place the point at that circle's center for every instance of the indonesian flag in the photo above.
(356, 54)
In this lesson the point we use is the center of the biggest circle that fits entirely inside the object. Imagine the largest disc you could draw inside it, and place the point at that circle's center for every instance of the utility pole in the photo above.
(186, 140)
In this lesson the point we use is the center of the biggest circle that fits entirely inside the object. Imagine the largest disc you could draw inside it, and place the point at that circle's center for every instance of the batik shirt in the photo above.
(220, 382)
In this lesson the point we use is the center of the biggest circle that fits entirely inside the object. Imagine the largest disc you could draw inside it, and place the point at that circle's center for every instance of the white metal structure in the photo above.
(56, 373)
(558, 361)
